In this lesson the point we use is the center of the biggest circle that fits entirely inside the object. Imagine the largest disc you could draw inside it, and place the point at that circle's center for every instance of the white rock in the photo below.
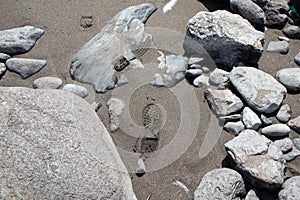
(292, 154)
(115, 110)
(122, 80)
(4, 57)
(195, 60)
(234, 127)
(290, 189)
(260, 90)
(296, 142)
(276, 130)
(250, 119)
(194, 72)
(285, 144)
(47, 83)
(282, 38)
(200, 81)
(228, 118)
(290, 78)
(279, 47)
(295, 124)
(76, 89)
(25, 67)
(196, 66)
(2, 69)
(251, 195)
(297, 59)
(219, 77)
(141, 168)
(284, 114)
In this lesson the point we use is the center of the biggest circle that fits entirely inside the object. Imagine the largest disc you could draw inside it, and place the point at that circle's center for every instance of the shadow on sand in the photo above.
(216, 5)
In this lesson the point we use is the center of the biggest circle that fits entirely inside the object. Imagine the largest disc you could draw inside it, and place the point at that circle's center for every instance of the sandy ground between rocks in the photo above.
(64, 37)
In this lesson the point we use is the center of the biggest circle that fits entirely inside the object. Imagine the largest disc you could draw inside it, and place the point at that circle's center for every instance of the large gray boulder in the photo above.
(260, 90)
(227, 37)
(19, 40)
(290, 78)
(93, 64)
(290, 189)
(222, 184)
(53, 146)
(258, 159)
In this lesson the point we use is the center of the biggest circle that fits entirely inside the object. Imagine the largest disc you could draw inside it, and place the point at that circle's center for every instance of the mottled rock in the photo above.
(234, 128)
(276, 130)
(115, 109)
(253, 154)
(200, 81)
(47, 83)
(292, 32)
(19, 40)
(2, 69)
(223, 102)
(4, 57)
(295, 124)
(76, 89)
(284, 114)
(25, 67)
(219, 77)
(205, 70)
(290, 78)
(290, 189)
(296, 142)
(260, 90)
(297, 59)
(219, 184)
(292, 154)
(237, 38)
(275, 13)
(250, 119)
(279, 47)
(53, 146)
(266, 121)
(285, 144)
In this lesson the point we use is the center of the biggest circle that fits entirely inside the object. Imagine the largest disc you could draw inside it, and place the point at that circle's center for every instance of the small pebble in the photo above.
(276, 130)
(234, 128)
(279, 47)
(266, 121)
(205, 70)
(195, 66)
(76, 89)
(4, 57)
(195, 60)
(282, 38)
(284, 114)
(194, 72)
(47, 83)
(250, 119)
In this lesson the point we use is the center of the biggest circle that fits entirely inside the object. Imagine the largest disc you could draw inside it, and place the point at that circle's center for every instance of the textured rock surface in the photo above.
(260, 90)
(4, 57)
(19, 40)
(292, 32)
(115, 109)
(202, 80)
(53, 146)
(290, 189)
(276, 130)
(76, 89)
(285, 144)
(297, 59)
(251, 195)
(223, 102)
(93, 63)
(219, 77)
(2, 69)
(47, 83)
(279, 47)
(234, 127)
(284, 114)
(290, 78)
(25, 67)
(213, 31)
(295, 124)
(250, 119)
(222, 183)
(257, 159)
(275, 13)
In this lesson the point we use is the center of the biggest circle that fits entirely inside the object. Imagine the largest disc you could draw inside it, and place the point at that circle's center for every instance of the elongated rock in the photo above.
(47, 83)
(276, 130)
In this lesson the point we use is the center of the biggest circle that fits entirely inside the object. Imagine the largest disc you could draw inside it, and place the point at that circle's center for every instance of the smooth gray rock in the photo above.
(290, 189)
(222, 184)
(260, 90)
(297, 59)
(141, 168)
(25, 67)
(53, 146)
(76, 89)
(234, 128)
(295, 124)
(200, 81)
(266, 121)
(292, 32)
(250, 11)
(292, 154)
(205, 70)
(251, 195)
(19, 40)
(93, 63)
(253, 154)
(47, 83)
(279, 47)
(194, 72)
(237, 38)
(250, 119)
(4, 57)
(115, 110)
(290, 78)
(2, 69)
(285, 144)
(219, 77)
(276, 130)
(223, 102)
(284, 114)
(176, 67)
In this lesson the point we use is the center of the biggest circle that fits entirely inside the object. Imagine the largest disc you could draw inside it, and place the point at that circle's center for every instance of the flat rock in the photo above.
(290, 189)
(285, 144)
(234, 128)
(47, 83)
(250, 119)
(2, 69)
(250, 11)
(223, 102)
(297, 59)
(237, 38)
(276, 130)
(219, 184)
(115, 110)
(19, 40)
(279, 47)
(219, 77)
(229, 118)
(260, 90)
(93, 64)
(295, 124)
(25, 67)
(290, 78)
(76, 89)
(53, 146)
(292, 32)
(253, 154)
(200, 81)
(284, 114)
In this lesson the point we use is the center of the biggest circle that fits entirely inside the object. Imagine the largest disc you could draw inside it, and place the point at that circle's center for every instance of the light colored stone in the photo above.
(296, 142)
(2, 69)
(53, 146)
(4, 57)
(223, 102)
(229, 118)
(219, 77)
(96, 105)
(194, 72)
(196, 66)
(234, 128)
(230, 33)
(284, 114)
(251, 195)
(297, 59)
(260, 90)
(250, 119)
(19, 40)
(195, 60)
(290, 189)
(25, 67)
(205, 70)
(200, 81)
(295, 124)
(76, 89)
(285, 144)
(266, 121)
(276, 130)
(279, 47)
(292, 154)
(222, 184)
(141, 168)
(115, 110)
(47, 83)
(290, 78)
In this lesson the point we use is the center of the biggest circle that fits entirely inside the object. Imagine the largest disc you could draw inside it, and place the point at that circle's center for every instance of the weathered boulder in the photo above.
(260, 90)
(290, 78)
(227, 37)
(290, 189)
(219, 78)
(53, 146)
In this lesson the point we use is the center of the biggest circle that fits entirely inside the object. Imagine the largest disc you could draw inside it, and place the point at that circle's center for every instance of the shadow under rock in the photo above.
(216, 4)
